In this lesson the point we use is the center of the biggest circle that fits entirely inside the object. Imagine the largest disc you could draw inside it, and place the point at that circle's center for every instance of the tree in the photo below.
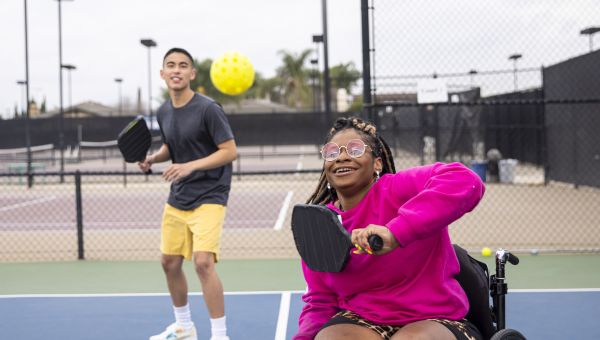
(204, 85)
(344, 76)
(269, 88)
(293, 76)
(43, 106)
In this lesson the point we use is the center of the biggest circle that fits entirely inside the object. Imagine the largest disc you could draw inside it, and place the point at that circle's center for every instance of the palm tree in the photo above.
(269, 88)
(204, 85)
(344, 76)
(294, 76)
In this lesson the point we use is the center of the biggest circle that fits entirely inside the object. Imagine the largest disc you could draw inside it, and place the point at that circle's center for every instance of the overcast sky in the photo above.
(101, 38)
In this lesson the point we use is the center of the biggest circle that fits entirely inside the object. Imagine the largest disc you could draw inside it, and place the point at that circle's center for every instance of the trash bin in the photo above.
(507, 169)
(480, 168)
(493, 156)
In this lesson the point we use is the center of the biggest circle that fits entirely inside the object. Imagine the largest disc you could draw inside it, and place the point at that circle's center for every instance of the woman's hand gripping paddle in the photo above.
(321, 240)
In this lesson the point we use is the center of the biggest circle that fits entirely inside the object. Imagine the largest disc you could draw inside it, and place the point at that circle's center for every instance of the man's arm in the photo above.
(225, 154)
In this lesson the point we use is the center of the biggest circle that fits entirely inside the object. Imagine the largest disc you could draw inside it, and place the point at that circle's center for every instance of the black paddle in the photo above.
(321, 240)
(135, 140)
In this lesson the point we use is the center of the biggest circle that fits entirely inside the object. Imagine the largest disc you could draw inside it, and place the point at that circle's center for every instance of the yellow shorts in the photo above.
(187, 231)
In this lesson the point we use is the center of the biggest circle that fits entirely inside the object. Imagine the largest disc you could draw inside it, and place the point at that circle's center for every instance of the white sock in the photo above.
(218, 327)
(183, 316)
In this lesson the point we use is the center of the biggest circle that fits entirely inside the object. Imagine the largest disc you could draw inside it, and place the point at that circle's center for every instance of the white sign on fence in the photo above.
(432, 91)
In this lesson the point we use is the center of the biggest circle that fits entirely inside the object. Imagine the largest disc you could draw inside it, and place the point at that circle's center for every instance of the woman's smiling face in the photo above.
(350, 175)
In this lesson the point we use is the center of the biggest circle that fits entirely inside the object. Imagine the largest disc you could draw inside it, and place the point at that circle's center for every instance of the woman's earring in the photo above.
(376, 175)
(328, 186)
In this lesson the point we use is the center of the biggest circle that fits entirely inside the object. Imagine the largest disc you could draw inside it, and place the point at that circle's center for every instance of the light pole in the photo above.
(70, 68)
(149, 43)
(22, 83)
(27, 133)
(317, 38)
(120, 82)
(367, 52)
(61, 134)
(514, 58)
(326, 80)
(590, 31)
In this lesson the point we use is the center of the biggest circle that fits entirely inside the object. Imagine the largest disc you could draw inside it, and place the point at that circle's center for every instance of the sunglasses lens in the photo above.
(356, 148)
(330, 151)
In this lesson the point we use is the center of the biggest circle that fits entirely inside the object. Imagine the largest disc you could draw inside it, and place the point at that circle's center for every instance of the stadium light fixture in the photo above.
(590, 31)
(69, 68)
(472, 74)
(149, 43)
(120, 82)
(514, 57)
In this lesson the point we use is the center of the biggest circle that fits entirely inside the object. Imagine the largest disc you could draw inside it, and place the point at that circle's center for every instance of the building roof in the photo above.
(87, 109)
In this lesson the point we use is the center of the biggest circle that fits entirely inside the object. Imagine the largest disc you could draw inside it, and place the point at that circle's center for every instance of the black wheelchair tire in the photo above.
(508, 334)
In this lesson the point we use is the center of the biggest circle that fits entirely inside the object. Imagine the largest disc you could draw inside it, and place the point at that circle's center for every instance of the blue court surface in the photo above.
(538, 314)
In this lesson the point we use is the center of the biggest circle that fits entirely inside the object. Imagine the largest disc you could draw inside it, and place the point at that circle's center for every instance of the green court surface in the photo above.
(546, 271)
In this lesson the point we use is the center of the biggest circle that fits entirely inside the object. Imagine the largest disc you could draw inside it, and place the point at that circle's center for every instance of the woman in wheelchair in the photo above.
(408, 288)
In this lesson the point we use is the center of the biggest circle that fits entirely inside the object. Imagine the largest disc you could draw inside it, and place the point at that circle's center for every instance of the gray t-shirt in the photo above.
(192, 132)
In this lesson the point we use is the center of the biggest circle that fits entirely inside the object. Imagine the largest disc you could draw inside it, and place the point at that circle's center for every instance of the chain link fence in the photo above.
(480, 83)
(521, 107)
(511, 89)
(116, 215)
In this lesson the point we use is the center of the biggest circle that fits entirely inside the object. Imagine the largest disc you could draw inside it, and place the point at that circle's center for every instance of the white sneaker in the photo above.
(175, 332)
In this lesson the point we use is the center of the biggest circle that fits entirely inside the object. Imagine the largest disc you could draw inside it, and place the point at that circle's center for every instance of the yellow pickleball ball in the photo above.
(232, 73)
(486, 252)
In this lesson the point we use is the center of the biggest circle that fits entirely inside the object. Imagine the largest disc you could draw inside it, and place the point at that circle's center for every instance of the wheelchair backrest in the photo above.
(474, 279)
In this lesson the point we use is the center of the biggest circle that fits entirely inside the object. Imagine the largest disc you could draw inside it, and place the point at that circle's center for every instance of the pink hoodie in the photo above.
(414, 281)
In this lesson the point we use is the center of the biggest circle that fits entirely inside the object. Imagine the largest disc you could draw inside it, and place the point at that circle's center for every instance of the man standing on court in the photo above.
(198, 140)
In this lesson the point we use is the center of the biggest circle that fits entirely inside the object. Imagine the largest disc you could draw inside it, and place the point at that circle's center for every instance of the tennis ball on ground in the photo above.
(232, 73)
(486, 252)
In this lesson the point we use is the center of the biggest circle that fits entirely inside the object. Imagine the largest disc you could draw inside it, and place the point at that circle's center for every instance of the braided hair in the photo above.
(378, 146)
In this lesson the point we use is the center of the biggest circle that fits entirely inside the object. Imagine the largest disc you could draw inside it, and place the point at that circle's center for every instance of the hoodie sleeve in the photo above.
(442, 194)
(320, 304)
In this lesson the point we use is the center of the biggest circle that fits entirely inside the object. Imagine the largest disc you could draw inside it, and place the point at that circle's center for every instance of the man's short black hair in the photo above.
(178, 50)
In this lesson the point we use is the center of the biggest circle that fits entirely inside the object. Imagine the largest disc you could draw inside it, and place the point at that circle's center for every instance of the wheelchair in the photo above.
(479, 286)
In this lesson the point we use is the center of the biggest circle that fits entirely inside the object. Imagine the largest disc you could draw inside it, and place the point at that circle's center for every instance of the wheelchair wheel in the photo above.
(508, 334)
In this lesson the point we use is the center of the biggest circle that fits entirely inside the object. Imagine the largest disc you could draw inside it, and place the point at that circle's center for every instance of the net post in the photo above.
(79, 205)
(124, 174)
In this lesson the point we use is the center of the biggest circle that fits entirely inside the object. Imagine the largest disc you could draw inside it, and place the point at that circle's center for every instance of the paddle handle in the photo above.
(376, 242)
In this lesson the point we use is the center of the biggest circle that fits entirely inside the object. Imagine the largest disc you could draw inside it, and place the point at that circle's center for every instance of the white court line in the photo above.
(299, 165)
(20, 296)
(124, 225)
(282, 212)
(28, 203)
(555, 290)
(92, 225)
(266, 292)
(11, 225)
(284, 312)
